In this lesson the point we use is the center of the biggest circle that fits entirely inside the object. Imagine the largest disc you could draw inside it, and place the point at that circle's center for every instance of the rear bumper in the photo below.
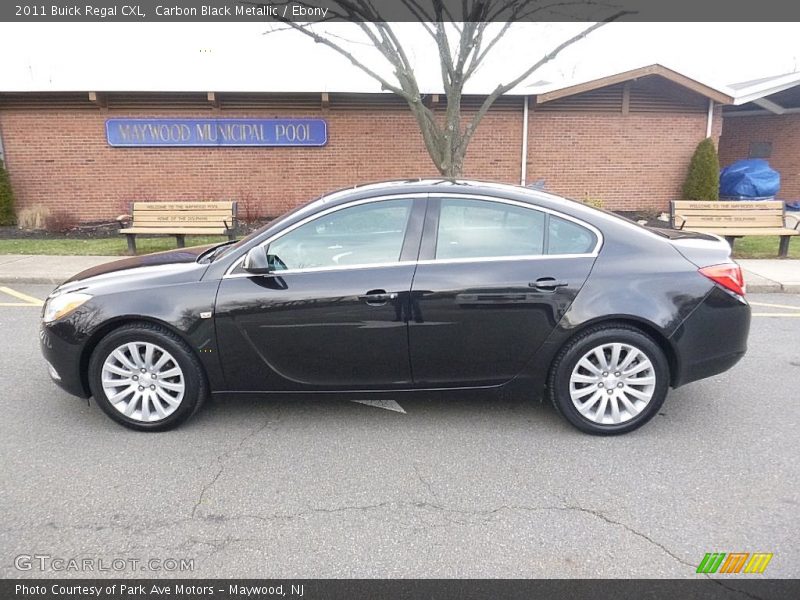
(712, 339)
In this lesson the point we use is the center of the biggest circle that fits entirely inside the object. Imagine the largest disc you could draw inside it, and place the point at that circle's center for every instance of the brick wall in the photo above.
(783, 131)
(59, 157)
(630, 162)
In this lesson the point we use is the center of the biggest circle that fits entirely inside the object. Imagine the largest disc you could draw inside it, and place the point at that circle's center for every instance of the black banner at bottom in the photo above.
(375, 589)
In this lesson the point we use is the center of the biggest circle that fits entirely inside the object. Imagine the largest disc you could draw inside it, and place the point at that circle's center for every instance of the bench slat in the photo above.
(723, 231)
(175, 230)
(714, 213)
(747, 220)
(178, 225)
(182, 213)
(681, 205)
(184, 206)
(189, 220)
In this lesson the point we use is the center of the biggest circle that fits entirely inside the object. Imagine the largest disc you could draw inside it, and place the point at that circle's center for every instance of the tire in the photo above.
(167, 390)
(579, 387)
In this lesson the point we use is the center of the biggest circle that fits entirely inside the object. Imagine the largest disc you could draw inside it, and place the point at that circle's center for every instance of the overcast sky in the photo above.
(238, 56)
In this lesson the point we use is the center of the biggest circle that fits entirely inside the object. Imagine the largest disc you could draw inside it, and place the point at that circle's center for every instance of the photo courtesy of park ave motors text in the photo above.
(417, 291)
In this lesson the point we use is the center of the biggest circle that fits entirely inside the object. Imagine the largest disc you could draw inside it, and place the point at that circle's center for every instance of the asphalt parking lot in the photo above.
(470, 488)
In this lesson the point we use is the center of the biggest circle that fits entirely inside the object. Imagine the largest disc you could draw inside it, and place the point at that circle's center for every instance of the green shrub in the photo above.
(6, 199)
(702, 181)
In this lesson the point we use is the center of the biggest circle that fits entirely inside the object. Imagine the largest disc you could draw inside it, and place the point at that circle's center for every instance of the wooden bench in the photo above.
(180, 219)
(736, 219)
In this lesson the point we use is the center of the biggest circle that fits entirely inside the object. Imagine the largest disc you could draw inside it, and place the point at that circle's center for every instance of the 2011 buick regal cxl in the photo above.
(408, 287)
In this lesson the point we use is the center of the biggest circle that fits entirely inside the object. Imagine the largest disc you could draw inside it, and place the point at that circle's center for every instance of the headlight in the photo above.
(61, 305)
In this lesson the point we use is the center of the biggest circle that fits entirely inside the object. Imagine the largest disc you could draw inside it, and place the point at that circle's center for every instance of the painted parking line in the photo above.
(789, 306)
(791, 315)
(26, 300)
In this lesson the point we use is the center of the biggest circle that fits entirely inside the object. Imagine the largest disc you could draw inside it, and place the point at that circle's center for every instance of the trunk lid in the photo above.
(700, 249)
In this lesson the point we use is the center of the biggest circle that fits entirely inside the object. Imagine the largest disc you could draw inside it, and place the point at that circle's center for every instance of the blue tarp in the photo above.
(749, 179)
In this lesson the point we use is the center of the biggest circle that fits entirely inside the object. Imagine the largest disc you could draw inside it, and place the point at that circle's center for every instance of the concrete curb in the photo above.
(37, 280)
(773, 289)
(756, 284)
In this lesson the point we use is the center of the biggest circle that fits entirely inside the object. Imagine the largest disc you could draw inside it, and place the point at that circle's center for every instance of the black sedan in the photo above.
(408, 287)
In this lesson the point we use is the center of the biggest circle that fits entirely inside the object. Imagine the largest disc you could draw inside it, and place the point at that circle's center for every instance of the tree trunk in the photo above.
(445, 144)
(457, 165)
(454, 170)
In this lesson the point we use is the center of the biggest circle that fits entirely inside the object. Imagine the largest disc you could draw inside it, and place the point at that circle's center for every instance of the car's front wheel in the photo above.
(609, 380)
(146, 378)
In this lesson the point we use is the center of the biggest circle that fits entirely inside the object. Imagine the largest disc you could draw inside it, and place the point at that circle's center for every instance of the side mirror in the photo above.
(256, 261)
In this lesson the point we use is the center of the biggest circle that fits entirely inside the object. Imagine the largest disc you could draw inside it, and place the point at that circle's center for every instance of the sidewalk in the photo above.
(25, 268)
(768, 275)
(772, 275)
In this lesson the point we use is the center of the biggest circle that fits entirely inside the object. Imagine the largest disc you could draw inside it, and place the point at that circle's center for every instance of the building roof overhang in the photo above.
(717, 95)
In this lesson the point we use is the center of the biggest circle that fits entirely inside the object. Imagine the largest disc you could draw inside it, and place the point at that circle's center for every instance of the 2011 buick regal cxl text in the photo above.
(408, 287)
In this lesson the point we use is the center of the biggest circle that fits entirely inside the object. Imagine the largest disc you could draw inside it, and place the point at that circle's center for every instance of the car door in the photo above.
(494, 278)
(331, 315)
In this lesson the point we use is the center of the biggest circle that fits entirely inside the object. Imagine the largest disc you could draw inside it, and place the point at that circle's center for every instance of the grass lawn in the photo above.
(747, 247)
(764, 247)
(100, 246)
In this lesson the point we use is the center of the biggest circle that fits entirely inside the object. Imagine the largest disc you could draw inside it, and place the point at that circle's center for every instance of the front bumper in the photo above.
(63, 358)
(712, 339)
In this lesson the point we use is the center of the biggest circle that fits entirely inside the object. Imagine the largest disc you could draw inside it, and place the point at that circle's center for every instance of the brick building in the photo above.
(764, 122)
(625, 139)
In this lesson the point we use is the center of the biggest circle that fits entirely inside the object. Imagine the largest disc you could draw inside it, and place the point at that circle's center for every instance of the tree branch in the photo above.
(502, 89)
(319, 39)
(417, 10)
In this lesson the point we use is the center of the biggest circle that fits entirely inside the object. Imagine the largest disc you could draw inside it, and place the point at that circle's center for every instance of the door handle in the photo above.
(377, 297)
(548, 284)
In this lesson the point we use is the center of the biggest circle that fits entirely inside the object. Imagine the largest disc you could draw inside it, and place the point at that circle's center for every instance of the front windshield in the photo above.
(253, 234)
(225, 247)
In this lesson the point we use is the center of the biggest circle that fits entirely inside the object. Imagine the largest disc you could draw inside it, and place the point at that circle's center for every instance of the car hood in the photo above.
(172, 266)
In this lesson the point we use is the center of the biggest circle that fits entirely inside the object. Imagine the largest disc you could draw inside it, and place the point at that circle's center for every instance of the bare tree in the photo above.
(463, 40)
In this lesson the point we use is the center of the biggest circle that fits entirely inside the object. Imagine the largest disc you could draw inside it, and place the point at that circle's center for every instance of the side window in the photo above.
(566, 237)
(360, 235)
(482, 228)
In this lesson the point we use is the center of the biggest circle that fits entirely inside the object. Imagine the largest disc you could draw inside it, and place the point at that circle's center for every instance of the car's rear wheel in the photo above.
(609, 380)
(146, 378)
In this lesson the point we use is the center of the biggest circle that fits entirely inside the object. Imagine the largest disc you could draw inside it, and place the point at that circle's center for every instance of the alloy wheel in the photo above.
(612, 383)
(143, 381)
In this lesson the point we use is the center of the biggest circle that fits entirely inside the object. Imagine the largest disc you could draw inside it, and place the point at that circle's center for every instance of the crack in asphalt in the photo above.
(207, 487)
(478, 513)
(221, 458)
(484, 515)
(627, 527)
(425, 482)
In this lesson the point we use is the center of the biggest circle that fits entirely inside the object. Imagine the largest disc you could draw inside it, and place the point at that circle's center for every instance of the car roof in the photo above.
(432, 186)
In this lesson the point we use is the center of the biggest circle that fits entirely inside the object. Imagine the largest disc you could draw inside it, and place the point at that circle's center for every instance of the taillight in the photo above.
(728, 275)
